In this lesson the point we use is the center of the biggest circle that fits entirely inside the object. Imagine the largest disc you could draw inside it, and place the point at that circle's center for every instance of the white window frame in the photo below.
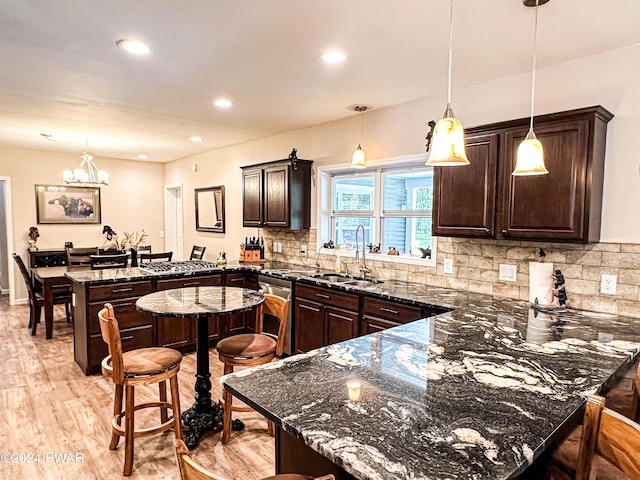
(378, 167)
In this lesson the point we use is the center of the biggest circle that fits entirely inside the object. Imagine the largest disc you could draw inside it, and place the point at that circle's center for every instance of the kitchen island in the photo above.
(475, 393)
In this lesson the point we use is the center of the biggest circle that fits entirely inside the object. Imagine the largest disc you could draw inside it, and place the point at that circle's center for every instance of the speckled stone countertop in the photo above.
(194, 301)
(474, 393)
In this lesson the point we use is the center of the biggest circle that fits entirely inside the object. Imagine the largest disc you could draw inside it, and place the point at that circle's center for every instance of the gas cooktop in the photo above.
(186, 266)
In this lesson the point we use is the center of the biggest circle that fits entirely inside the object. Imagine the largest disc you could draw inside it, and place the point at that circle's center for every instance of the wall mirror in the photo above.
(210, 209)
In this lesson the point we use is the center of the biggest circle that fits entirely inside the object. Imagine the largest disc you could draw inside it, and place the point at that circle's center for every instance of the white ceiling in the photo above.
(61, 72)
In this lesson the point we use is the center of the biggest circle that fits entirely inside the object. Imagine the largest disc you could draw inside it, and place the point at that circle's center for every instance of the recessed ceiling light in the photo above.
(133, 46)
(222, 103)
(142, 157)
(196, 139)
(333, 57)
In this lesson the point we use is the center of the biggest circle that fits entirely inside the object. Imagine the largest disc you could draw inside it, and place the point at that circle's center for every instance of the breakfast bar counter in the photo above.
(475, 393)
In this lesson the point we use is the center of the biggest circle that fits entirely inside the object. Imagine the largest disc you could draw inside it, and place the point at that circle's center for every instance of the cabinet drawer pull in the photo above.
(395, 312)
(322, 295)
(309, 308)
(120, 290)
(130, 337)
(126, 304)
(341, 316)
(192, 284)
(236, 279)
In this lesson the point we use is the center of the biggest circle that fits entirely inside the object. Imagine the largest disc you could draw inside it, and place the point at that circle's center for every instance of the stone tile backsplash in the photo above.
(476, 265)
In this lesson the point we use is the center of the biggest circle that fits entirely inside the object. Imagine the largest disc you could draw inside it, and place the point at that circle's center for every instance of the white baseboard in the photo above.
(4, 291)
(21, 301)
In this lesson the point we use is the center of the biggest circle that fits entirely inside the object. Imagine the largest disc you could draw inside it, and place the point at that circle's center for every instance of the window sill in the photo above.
(382, 257)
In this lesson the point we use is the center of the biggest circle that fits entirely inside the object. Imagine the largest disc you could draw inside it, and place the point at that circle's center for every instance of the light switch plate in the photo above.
(448, 266)
(508, 272)
(303, 249)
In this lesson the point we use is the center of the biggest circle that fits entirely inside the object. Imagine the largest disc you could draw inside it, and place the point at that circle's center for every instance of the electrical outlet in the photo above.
(608, 284)
(508, 272)
(161, 233)
(303, 249)
(448, 266)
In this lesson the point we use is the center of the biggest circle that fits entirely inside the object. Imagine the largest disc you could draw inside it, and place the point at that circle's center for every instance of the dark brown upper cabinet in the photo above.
(277, 194)
(484, 200)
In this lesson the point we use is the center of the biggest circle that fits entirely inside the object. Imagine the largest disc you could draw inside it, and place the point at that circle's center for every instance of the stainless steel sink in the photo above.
(332, 277)
(363, 283)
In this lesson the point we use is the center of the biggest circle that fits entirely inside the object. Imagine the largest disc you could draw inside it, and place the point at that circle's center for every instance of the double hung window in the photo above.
(394, 206)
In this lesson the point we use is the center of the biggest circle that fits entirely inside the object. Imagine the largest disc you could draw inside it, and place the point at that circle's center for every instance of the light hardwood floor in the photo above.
(50, 407)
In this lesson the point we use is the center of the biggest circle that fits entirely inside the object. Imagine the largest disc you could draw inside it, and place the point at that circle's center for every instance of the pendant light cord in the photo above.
(450, 55)
(535, 55)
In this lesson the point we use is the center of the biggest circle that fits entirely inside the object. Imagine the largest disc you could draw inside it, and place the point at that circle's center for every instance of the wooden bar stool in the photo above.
(190, 470)
(607, 448)
(144, 366)
(250, 349)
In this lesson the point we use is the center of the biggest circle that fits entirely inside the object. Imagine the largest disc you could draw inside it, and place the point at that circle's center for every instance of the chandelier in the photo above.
(86, 173)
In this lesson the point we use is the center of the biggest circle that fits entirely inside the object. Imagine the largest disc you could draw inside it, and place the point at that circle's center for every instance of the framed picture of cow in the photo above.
(65, 204)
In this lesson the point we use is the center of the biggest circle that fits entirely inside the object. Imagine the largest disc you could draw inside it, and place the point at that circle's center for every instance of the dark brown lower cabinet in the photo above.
(310, 326)
(370, 324)
(341, 325)
(180, 333)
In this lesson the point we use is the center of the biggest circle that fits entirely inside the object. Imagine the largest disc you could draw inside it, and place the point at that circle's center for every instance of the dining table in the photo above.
(200, 303)
(52, 279)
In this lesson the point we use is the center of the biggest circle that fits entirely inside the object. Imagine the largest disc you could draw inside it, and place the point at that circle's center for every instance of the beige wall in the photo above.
(132, 201)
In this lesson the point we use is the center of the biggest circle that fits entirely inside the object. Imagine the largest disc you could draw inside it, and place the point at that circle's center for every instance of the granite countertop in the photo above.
(474, 393)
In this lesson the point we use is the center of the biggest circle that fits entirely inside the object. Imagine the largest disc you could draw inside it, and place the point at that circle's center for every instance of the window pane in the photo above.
(353, 193)
(346, 232)
(407, 235)
(408, 191)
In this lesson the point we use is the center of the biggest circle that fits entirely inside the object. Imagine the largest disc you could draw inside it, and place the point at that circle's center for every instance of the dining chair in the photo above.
(102, 262)
(190, 470)
(143, 366)
(250, 349)
(607, 448)
(197, 253)
(36, 299)
(80, 257)
(151, 257)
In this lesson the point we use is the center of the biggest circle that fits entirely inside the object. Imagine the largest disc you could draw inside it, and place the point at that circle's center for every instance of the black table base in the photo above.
(204, 415)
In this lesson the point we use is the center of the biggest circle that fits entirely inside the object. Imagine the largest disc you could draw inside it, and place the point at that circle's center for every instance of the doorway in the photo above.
(7, 281)
(173, 227)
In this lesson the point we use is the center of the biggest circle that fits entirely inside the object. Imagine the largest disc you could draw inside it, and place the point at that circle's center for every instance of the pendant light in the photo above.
(447, 144)
(87, 172)
(530, 157)
(357, 161)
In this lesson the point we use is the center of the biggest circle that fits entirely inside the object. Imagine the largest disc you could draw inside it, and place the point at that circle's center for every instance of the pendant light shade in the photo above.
(530, 159)
(447, 143)
(530, 156)
(357, 160)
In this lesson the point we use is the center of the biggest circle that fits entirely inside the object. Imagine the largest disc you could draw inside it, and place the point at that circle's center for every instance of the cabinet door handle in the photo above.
(120, 290)
(504, 232)
(236, 279)
(126, 338)
(395, 312)
(308, 308)
(322, 295)
(192, 284)
(126, 304)
(341, 316)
